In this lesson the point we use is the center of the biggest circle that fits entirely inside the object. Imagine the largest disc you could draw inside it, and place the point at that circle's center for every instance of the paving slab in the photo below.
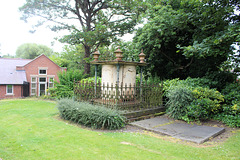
(178, 129)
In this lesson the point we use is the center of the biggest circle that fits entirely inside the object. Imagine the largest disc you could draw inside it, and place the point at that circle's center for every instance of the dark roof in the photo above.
(8, 72)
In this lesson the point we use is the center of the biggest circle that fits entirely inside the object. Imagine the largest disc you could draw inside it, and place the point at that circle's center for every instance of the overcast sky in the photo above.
(14, 32)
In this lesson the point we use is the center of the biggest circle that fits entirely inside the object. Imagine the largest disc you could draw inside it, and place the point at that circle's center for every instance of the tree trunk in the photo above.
(86, 60)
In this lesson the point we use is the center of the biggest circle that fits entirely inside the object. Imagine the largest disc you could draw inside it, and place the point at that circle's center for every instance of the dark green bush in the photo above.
(179, 97)
(64, 89)
(231, 93)
(199, 82)
(220, 79)
(212, 99)
(60, 91)
(230, 113)
(191, 104)
(193, 100)
(97, 117)
(198, 110)
(189, 82)
(206, 103)
(232, 120)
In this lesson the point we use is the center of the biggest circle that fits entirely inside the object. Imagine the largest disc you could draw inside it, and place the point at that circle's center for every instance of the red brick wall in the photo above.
(42, 61)
(17, 92)
(32, 68)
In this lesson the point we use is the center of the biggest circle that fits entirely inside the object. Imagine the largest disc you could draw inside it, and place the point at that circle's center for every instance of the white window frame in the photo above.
(39, 83)
(42, 68)
(50, 82)
(42, 73)
(7, 89)
(33, 88)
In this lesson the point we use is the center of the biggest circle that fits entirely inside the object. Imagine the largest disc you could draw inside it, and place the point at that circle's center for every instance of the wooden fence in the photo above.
(125, 97)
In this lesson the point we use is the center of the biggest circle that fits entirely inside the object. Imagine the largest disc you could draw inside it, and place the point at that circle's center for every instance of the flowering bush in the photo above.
(209, 98)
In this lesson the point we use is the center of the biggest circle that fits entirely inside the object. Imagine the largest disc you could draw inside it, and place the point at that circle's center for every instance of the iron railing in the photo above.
(125, 97)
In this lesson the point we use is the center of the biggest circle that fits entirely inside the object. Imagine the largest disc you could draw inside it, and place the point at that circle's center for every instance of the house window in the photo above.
(33, 86)
(42, 71)
(50, 82)
(9, 89)
(43, 79)
(34, 80)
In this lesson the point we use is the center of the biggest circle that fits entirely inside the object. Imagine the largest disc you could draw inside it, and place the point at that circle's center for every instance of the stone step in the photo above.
(143, 114)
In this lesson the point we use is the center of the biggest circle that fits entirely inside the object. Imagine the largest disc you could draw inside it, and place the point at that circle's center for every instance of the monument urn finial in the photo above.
(96, 55)
(142, 57)
(118, 54)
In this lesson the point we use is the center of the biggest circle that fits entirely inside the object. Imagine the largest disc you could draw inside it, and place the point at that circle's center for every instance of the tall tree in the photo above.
(32, 50)
(71, 57)
(188, 37)
(91, 22)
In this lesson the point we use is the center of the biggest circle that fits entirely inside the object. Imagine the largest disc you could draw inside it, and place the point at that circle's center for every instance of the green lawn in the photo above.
(29, 130)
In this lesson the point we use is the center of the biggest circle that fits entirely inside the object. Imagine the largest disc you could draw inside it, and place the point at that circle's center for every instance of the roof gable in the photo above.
(41, 56)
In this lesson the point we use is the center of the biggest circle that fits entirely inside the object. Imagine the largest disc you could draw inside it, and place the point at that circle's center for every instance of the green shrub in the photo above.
(212, 99)
(68, 78)
(229, 119)
(230, 115)
(191, 104)
(231, 93)
(202, 109)
(64, 89)
(198, 82)
(198, 110)
(193, 100)
(179, 97)
(189, 82)
(220, 79)
(94, 116)
(91, 80)
(167, 84)
(60, 91)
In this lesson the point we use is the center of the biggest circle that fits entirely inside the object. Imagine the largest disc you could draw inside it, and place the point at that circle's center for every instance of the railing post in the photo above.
(141, 70)
(117, 94)
(95, 86)
(117, 84)
(118, 70)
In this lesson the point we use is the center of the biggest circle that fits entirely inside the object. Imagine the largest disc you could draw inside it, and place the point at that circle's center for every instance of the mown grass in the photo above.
(29, 130)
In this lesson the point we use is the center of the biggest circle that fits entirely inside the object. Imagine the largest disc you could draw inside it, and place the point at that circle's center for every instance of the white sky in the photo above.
(15, 32)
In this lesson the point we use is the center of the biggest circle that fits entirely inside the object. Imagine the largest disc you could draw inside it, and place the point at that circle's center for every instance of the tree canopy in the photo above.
(32, 50)
(91, 23)
(189, 37)
(71, 57)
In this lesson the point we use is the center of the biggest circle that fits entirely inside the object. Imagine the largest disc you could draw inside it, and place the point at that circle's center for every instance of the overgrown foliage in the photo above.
(230, 114)
(71, 57)
(206, 103)
(193, 100)
(179, 98)
(91, 80)
(191, 104)
(184, 38)
(65, 86)
(97, 117)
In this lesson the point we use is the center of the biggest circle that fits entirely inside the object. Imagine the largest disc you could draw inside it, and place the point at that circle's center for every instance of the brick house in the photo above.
(24, 77)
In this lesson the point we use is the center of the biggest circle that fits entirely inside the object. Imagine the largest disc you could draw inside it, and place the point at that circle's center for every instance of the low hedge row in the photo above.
(93, 116)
